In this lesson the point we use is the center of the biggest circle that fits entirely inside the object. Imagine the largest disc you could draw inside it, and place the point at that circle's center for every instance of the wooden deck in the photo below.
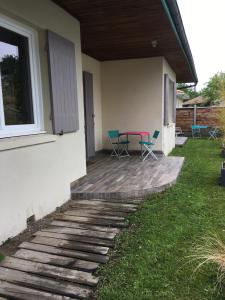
(110, 178)
(181, 141)
(60, 261)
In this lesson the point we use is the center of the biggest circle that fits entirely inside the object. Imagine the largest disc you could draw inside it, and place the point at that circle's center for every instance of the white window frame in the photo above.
(36, 88)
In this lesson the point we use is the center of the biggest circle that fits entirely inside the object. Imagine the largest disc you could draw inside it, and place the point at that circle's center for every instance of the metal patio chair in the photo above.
(149, 145)
(196, 131)
(119, 148)
(178, 131)
(214, 133)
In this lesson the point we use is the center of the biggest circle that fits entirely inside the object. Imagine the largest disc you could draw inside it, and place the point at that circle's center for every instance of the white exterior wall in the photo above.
(168, 132)
(93, 66)
(36, 179)
(179, 103)
(132, 97)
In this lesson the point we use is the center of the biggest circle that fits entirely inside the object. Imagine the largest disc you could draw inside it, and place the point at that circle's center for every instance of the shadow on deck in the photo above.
(109, 178)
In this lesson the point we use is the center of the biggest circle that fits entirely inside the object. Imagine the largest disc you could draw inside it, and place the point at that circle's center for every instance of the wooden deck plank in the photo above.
(91, 221)
(70, 245)
(107, 204)
(17, 292)
(50, 271)
(97, 210)
(103, 207)
(81, 232)
(44, 284)
(75, 238)
(71, 224)
(91, 214)
(64, 252)
(56, 260)
(136, 201)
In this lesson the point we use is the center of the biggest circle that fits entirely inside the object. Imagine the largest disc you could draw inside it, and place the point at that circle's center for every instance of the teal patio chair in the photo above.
(196, 131)
(149, 145)
(119, 148)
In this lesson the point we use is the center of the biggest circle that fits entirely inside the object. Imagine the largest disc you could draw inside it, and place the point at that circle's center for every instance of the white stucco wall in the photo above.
(94, 66)
(179, 103)
(168, 132)
(36, 179)
(132, 97)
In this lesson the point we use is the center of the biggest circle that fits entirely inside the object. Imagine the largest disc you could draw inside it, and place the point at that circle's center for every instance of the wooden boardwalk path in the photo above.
(60, 261)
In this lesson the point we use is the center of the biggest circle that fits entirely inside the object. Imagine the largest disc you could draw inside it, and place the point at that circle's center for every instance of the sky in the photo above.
(204, 23)
(7, 49)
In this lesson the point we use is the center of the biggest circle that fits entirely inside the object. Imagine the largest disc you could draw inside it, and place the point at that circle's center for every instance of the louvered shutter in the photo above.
(174, 101)
(166, 99)
(61, 53)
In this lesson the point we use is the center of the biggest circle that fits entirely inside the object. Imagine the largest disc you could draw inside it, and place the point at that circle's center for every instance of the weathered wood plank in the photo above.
(97, 210)
(85, 226)
(56, 260)
(49, 271)
(75, 238)
(44, 284)
(99, 215)
(70, 245)
(114, 200)
(119, 205)
(102, 207)
(81, 232)
(17, 292)
(64, 252)
(91, 221)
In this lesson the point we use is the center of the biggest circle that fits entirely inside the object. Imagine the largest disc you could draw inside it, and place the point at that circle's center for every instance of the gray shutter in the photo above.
(61, 53)
(174, 101)
(166, 99)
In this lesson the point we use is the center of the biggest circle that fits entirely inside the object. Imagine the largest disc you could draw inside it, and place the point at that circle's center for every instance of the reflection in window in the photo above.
(15, 78)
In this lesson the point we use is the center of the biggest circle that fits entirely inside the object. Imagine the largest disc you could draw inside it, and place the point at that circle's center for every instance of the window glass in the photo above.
(15, 78)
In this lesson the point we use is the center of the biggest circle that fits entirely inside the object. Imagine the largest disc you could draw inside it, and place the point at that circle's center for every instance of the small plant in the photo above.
(211, 251)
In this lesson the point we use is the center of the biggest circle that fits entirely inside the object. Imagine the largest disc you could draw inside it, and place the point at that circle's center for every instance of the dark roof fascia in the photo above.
(173, 13)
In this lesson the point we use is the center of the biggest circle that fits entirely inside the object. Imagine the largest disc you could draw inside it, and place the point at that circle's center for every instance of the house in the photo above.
(199, 101)
(71, 70)
(181, 97)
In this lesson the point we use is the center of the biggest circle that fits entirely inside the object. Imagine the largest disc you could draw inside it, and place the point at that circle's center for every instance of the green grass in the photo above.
(1, 257)
(150, 260)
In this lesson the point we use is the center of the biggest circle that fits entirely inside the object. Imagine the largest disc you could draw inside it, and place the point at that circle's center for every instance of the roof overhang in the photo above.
(115, 29)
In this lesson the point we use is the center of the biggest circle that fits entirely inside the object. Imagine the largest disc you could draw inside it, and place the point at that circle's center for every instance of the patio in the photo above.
(109, 178)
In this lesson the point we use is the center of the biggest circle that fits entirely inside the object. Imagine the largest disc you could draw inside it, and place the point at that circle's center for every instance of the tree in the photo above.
(188, 90)
(214, 91)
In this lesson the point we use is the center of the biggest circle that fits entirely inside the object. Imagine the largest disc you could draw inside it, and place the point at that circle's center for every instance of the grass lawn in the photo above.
(150, 260)
(1, 257)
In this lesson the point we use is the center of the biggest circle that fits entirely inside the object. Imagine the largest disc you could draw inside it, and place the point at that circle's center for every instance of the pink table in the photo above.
(140, 133)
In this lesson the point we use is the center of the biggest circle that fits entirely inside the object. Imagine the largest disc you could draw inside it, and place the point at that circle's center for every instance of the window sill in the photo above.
(25, 141)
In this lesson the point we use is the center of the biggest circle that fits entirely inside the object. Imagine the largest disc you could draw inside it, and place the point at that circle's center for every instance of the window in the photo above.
(20, 88)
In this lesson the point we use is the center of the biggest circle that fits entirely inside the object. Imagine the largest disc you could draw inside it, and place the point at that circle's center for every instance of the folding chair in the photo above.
(149, 146)
(178, 131)
(119, 148)
(213, 133)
